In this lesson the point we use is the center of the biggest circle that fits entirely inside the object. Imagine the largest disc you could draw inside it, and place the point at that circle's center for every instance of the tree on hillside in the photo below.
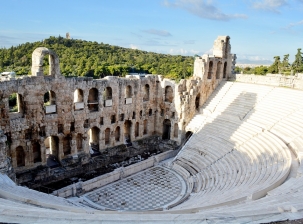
(275, 67)
(87, 58)
(298, 63)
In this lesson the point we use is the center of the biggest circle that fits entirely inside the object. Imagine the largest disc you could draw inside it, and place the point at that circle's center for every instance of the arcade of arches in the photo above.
(65, 118)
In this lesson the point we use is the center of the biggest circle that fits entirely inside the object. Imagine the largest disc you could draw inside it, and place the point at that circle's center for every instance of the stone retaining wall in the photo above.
(295, 82)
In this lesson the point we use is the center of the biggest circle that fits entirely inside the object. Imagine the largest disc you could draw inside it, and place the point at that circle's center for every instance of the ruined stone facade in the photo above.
(66, 116)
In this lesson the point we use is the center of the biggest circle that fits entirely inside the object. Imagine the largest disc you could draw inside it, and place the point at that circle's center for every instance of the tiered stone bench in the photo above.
(235, 165)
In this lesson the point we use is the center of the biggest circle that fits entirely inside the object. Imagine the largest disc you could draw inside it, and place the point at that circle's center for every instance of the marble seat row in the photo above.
(235, 165)
(11, 191)
(254, 159)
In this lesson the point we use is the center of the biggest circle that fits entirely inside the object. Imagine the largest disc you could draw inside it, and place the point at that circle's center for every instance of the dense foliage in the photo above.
(278, 66)
(86, 58)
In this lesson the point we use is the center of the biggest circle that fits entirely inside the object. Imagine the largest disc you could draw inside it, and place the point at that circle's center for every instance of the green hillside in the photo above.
(87, 58)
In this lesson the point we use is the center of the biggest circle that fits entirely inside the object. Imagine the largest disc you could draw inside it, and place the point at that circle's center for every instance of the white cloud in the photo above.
(291, 25)
(203, 9)
(270, 5)
(209, 52)
(162, 33)
(132, 46)
(182, 51)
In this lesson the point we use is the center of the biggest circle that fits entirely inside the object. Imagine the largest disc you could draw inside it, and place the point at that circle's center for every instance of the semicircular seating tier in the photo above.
(242, 164)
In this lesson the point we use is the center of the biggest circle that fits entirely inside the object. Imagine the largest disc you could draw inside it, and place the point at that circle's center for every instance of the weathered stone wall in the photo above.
(82, 115)
(295, 82)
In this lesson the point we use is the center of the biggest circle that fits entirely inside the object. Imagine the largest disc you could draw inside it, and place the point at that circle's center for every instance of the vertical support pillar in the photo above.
(60, 147)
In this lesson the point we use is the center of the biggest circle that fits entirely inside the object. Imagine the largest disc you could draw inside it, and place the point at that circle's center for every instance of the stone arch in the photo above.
(117, 134)
(107, 136)
(50, 98)
(128, 91)
(224, 70)
(127, 129)
(134, 115)
(78, 99)
(37, 62)
(137, 129)
(15, 103)
(36, 152)
(218, 72)
(210, 70)
(145, 127)
(94, 135)
(52, 146)
(197, 102)
(166, 129)
(108, 93)
(50, 102)
(20, 156)
(176, 130)
(79, 142)
(169, 94)
(93, 100)
(78, 96)
(67, 145)
(146, 93)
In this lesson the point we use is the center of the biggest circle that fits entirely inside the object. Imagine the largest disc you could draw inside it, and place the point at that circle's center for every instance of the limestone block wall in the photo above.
(66, 116)
(295, 82)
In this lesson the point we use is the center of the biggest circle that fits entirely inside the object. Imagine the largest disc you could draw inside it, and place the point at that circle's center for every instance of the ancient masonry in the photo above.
(64, 117)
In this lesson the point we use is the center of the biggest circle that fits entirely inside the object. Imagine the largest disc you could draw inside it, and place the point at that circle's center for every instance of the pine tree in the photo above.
(298, 63)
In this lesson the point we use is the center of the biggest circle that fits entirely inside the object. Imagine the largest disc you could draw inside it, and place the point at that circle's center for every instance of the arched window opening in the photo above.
(127, 129)
(79, 142)
(52, 151)
(141, 113)
(67, 145)
(50, 102)
(145, 127)
(108, 97)
(176, 130)
(36, 152)
(15, 102)
(218, 72)
(107, 136)
(93, 134)
(150, 112)
(50, 98)
(92, 101)
(20, 156)
(137, 129)
(117, 134)
(128, 94)
(197, 102)
(134, 115)
(78, 99)
(210, 70)
(224, 70)
(169, 94)
(166, 129)
(146, 93)
(113, 118)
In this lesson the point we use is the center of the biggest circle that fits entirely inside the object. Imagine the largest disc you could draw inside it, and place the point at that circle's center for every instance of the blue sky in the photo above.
(259, 30)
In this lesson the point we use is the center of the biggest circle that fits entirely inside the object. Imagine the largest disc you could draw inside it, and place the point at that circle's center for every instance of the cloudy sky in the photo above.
(259, 30)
